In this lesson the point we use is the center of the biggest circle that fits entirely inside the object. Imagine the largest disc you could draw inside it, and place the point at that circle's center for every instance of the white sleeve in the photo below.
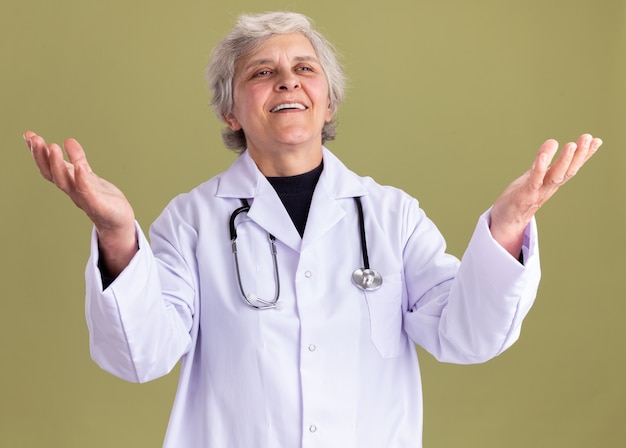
(476, 311)
(139, 329)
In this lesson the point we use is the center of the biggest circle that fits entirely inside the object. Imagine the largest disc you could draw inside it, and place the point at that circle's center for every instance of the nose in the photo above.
(288, 81)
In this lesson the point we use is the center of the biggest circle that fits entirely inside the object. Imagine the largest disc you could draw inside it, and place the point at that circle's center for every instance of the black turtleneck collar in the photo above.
(296, 193)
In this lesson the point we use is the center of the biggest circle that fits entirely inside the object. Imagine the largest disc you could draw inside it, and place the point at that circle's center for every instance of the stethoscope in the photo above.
(364, 278)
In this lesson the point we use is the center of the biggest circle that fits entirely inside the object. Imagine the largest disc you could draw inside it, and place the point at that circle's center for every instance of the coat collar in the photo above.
(244, 180)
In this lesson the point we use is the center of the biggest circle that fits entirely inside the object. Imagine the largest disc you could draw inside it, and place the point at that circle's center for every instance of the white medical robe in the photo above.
(336, 366)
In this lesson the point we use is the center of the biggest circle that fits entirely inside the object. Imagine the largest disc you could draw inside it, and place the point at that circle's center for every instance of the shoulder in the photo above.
(194, 209)
(386, 192)
(346, 183)
(201, 195)
(390, 208)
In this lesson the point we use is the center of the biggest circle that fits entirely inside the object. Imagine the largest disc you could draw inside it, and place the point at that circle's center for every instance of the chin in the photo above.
(300, 138)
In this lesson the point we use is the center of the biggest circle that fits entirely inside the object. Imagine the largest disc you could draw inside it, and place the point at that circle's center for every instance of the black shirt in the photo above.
(296, 193)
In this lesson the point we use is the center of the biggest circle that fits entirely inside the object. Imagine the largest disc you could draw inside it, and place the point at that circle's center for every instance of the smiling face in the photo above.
(281, 99)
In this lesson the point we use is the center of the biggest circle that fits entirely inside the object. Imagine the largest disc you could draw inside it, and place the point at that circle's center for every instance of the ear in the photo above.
(232, 122)
(329, 113)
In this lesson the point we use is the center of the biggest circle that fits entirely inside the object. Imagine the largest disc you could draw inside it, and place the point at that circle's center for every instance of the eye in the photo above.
(261, 73)
(305, 68)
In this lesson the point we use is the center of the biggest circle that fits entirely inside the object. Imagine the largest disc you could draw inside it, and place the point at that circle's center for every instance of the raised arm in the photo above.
(514, 209)
(105, 205)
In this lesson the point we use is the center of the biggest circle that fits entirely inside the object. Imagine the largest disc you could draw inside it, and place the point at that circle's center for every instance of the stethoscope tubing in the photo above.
(364, 278)
(366, 259)
(265, 304)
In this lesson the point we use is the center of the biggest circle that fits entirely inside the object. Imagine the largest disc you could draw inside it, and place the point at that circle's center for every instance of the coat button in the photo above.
(308, 274)
(312, 428)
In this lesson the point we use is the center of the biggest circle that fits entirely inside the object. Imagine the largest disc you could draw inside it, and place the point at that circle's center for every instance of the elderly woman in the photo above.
(250, 278)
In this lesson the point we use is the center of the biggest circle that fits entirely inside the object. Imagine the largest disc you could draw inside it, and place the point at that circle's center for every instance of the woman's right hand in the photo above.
(103, 202)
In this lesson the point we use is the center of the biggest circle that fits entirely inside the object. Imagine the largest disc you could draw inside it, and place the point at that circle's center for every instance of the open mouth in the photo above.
(288, 106)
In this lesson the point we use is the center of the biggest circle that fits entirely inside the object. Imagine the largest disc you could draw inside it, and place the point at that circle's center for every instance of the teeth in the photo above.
(288, 106)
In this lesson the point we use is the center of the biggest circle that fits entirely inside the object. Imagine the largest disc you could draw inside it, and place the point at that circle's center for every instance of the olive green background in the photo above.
(448, 100)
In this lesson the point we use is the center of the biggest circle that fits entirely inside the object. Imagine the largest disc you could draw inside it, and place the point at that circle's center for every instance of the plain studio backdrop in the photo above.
(447, 100)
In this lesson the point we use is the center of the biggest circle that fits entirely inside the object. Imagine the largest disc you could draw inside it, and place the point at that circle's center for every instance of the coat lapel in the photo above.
(329, 206)
(244, 180)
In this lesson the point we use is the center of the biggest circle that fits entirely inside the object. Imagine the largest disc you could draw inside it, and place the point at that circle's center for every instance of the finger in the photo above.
(76, 154)
(28, 137)
(585, 148)
(33, 140)
(542, 162)
(41, 154)
(593, 147)
(557, 174)
(83, 175)
(62, 171)
(579, 157)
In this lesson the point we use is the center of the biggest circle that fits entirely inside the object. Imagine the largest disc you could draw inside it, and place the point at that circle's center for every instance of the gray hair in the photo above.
(249, 33)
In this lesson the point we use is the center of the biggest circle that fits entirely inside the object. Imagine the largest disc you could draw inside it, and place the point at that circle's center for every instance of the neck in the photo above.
(286, 163)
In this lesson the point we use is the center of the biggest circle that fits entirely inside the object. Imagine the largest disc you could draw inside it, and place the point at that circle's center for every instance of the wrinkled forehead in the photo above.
(267, 49)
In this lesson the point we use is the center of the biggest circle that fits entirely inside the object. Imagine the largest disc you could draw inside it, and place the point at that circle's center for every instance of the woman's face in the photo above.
(281, 97)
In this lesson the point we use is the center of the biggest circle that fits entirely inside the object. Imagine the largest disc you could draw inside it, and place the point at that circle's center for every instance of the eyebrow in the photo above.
(257, 62)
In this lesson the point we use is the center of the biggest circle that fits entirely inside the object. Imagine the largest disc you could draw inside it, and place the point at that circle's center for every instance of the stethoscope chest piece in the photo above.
(367, 279)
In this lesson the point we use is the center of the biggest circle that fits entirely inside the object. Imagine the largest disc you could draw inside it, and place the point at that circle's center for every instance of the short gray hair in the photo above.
(249, 33)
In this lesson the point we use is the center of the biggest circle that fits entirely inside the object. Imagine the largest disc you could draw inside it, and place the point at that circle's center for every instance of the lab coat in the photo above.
(335, 366)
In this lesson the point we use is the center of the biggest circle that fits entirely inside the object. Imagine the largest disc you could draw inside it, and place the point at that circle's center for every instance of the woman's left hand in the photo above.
(514, 209)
